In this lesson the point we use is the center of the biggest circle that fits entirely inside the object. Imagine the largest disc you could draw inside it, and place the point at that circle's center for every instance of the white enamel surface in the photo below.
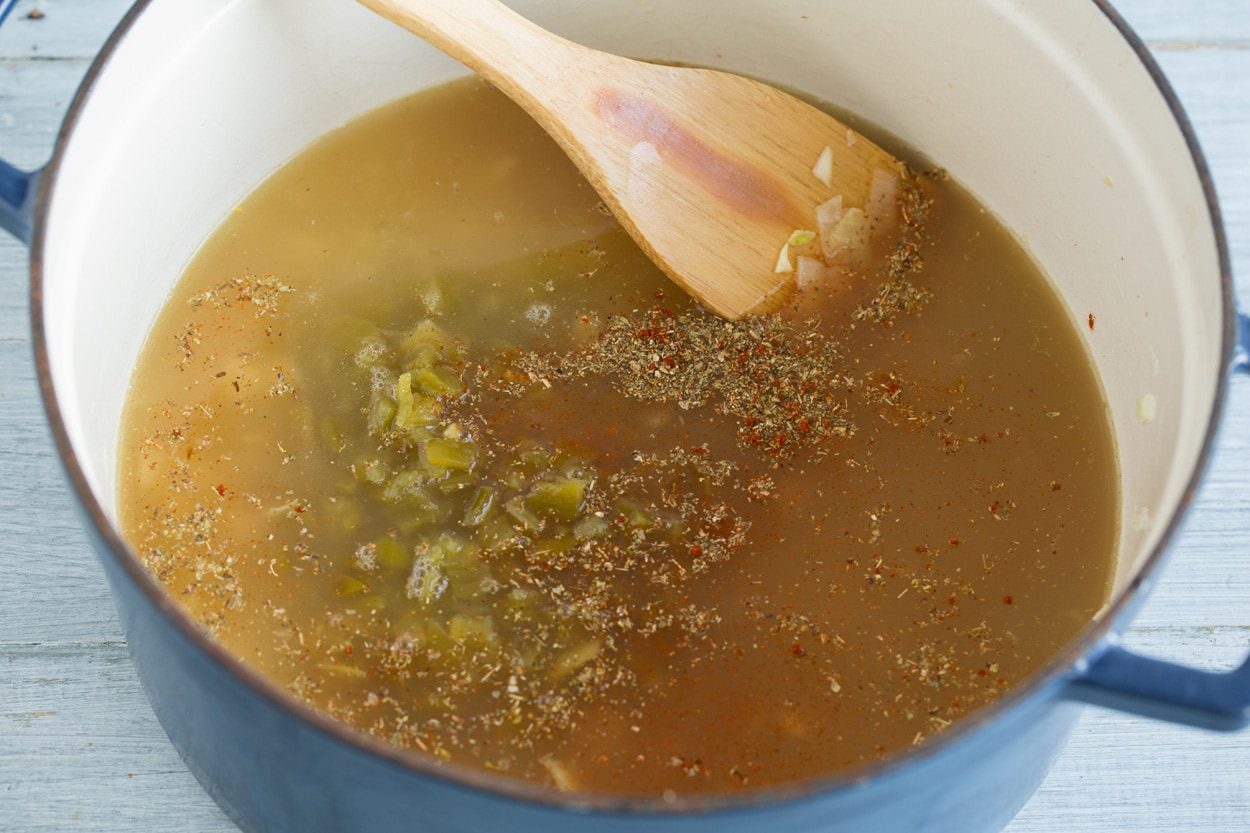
(204, 100)
(1040, 108)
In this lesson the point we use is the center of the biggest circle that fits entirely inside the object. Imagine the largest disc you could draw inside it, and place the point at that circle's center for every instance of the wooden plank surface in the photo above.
(80, 749)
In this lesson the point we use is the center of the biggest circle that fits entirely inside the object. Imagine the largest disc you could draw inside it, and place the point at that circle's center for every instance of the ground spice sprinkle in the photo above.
(782, 380)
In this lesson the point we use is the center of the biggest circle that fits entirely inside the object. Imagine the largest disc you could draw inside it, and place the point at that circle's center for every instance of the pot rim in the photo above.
(1046, 682)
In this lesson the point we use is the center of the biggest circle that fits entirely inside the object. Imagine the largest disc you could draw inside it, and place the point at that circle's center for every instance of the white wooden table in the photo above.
(81, 750)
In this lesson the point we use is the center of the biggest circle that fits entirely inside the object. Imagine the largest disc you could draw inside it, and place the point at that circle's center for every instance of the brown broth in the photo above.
(886, 583)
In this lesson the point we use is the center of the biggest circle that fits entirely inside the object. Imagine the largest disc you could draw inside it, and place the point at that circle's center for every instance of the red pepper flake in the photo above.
(696, 551)
(1091, 322)
(922, 548)
(797, 650)
(220, 488)
(1008, 600)
(1055, 486)
(954, 542)
(655, 335)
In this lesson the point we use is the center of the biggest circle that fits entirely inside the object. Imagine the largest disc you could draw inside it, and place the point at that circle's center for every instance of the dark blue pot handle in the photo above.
(17, 200)
(17, 188)
(1127, 682)
(1122, 680)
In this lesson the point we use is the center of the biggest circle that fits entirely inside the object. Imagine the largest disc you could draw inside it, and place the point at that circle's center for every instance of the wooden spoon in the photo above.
(711, 173)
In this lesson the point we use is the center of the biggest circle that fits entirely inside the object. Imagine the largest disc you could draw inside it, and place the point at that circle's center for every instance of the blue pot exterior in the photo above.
(274, 766)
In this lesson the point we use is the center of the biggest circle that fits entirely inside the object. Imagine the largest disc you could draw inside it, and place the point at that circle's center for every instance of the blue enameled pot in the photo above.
(192, 102)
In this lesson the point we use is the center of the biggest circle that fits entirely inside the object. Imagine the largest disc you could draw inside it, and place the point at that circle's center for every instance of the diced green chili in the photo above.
(480, 629)
(516, 508)
(557, 542)
(479, 506)
(413, 409)
(391, 555)
(438, 381)
(467, 575)
(496, 531)
(424, 356)
(591, 526)
(634, 514)
(381, 414)
(427, 333)
(573, 659)
(455, 481)
(559, 497)
(448, 455)
(370, 471)
(532, 454)
(578, 467)
(405, 484)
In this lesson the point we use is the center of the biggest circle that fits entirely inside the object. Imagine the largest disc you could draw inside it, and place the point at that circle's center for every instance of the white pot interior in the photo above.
(1039, 107)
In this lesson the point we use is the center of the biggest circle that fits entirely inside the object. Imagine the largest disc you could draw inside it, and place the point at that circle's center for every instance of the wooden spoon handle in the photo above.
(527, 63)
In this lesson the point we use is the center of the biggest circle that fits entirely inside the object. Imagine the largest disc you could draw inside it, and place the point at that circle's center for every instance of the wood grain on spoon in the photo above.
(709, 172)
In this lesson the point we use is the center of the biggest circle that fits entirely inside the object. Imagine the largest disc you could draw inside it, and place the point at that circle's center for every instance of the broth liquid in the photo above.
(890, 581)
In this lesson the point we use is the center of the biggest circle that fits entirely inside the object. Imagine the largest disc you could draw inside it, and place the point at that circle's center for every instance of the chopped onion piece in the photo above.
(828, 214)
(561, 775)
(812, 272)
(823, 169)
(882, 204)
(801, 237)
(851, 138)
(783, 260)
(851, 231)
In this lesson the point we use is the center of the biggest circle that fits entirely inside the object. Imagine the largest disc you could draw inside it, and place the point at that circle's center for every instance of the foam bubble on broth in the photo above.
(423, 436)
